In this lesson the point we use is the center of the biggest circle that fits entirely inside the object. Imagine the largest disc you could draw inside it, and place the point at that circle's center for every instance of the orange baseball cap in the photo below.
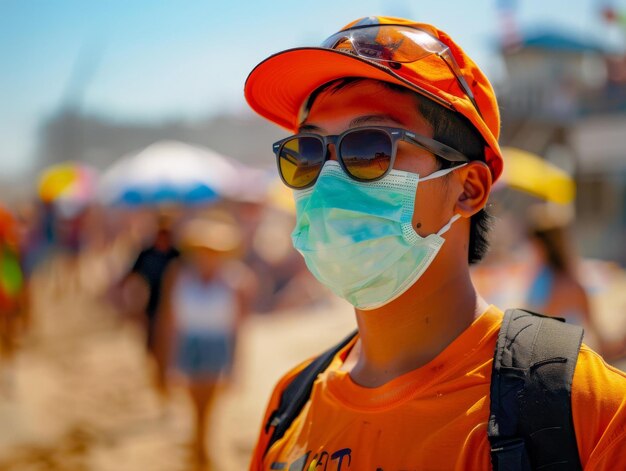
(279, 86)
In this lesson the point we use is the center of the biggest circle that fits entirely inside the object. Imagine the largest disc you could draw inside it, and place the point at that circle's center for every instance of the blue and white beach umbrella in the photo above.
(170, 172)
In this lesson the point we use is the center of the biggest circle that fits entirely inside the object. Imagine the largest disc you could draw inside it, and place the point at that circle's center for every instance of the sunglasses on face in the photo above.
(397, 44)
(366, 154)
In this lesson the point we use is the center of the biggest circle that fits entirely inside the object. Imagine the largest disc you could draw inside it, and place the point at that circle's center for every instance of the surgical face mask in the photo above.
(358, 239)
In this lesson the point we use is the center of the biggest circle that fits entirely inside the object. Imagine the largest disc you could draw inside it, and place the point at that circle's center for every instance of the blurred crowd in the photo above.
(186, 274)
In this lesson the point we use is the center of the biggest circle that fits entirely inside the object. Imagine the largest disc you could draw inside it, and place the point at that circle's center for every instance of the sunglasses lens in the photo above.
(401, 44)
(366, 154)
(398, 45)
(386, 43)
(301, 160)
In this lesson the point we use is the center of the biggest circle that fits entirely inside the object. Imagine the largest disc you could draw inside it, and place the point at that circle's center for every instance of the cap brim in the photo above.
(278, 86)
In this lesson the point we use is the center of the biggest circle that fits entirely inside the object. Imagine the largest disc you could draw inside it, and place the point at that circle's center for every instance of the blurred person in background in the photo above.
(205, 299)
(554, 287)
(280, 278)
(284, 282)
(12, 292)
(64, 226)
(37, 219)
(142, 290)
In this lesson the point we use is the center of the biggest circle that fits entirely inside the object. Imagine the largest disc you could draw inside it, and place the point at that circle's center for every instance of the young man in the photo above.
(394, 159)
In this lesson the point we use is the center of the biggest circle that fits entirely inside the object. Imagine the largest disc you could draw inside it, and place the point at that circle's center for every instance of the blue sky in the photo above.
(182, 59)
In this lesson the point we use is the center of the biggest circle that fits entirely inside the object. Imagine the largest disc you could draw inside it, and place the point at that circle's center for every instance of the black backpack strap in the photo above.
(297, 393)
(530, 422)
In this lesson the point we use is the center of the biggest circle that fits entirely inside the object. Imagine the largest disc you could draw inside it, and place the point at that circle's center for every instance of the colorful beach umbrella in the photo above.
(170, 172)
(69, 181)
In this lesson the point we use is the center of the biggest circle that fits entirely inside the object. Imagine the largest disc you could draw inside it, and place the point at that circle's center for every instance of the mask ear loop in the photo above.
(445, 228)
(441, 173)
(437, 174)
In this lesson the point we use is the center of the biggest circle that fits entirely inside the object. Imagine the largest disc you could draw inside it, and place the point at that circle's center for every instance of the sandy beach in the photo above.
(78, 393)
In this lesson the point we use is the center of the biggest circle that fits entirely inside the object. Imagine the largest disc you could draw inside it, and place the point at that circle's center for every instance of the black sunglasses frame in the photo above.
(395, 135)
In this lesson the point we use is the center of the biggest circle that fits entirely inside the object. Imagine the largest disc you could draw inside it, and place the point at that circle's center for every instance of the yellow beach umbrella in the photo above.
(528, 172)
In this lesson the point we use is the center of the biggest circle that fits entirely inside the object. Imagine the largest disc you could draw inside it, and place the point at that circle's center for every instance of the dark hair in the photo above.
(450, 128)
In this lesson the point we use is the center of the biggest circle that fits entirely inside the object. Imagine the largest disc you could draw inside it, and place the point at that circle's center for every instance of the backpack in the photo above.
(530, 421)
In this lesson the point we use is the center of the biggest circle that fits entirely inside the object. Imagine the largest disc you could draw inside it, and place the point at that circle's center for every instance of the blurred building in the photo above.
(99, 140)
(564, 98)
(71, 134)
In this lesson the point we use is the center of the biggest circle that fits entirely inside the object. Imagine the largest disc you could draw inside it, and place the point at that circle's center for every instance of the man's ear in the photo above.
(476, 186)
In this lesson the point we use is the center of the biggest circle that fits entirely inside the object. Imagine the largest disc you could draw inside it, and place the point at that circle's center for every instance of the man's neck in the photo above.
(412, 330)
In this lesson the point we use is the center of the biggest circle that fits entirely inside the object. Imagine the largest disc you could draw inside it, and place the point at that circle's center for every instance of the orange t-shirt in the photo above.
(434, 417)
